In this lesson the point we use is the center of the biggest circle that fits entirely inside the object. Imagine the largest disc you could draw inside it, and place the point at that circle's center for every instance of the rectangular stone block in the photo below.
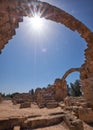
(16, 128)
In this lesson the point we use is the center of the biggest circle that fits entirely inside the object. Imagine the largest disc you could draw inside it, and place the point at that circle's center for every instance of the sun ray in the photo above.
(37, 22)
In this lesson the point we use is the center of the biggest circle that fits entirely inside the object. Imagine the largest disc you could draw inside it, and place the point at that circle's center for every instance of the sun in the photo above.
(37, 22)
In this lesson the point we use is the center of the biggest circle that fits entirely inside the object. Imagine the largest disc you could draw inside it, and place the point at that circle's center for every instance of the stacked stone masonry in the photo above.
(12, 12)
(82, 109)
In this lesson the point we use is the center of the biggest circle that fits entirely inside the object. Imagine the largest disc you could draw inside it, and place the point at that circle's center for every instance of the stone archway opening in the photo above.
(70, 88)
(71, 80)
(13, 13)
(72, 77)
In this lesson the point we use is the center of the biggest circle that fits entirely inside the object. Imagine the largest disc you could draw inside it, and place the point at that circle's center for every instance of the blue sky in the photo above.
(35, 59)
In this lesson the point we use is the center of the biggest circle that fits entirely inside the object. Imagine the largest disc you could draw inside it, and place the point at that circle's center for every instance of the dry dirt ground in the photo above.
(7, 109)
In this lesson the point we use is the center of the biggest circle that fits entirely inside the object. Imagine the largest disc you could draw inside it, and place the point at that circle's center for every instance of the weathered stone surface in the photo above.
(22, 98)
(60, 87)
(73, 123)
(69, 72)
(8, 124)
(86, 114)
(52, 104)
(12, 12)
(81, 108)
(42, 122)
(1, 98)
(16, 128)
(74, 101)
(25, 105)
(30, 123)
(39, 98)
(48, 97)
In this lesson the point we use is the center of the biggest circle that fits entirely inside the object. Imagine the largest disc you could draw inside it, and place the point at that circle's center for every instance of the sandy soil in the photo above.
(7, 109)
(10, 110)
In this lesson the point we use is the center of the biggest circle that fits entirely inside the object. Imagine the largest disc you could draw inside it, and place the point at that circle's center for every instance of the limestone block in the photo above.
(16, 128)
(1, 98)
(25, 105)
(50, 105)
(41, 105)
(86, 114)
(73, 123)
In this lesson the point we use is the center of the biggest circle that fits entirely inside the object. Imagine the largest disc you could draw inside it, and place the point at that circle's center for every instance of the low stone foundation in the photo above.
(86, 114)
(25, 105)
(52, 104)
(36, 121)
(73, 123)
(81, 108)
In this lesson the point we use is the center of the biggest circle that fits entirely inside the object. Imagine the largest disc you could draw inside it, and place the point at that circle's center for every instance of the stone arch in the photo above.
(63, 79)
(69, 72)
(12, 12)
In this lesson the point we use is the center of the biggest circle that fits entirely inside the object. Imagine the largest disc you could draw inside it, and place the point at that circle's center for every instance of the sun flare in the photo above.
(37, 22)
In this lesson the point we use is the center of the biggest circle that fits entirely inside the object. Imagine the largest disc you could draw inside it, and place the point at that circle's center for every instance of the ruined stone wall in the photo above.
(60, 88)
(9, 19)
(1, 99)
(12, 12)
(22, 98)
